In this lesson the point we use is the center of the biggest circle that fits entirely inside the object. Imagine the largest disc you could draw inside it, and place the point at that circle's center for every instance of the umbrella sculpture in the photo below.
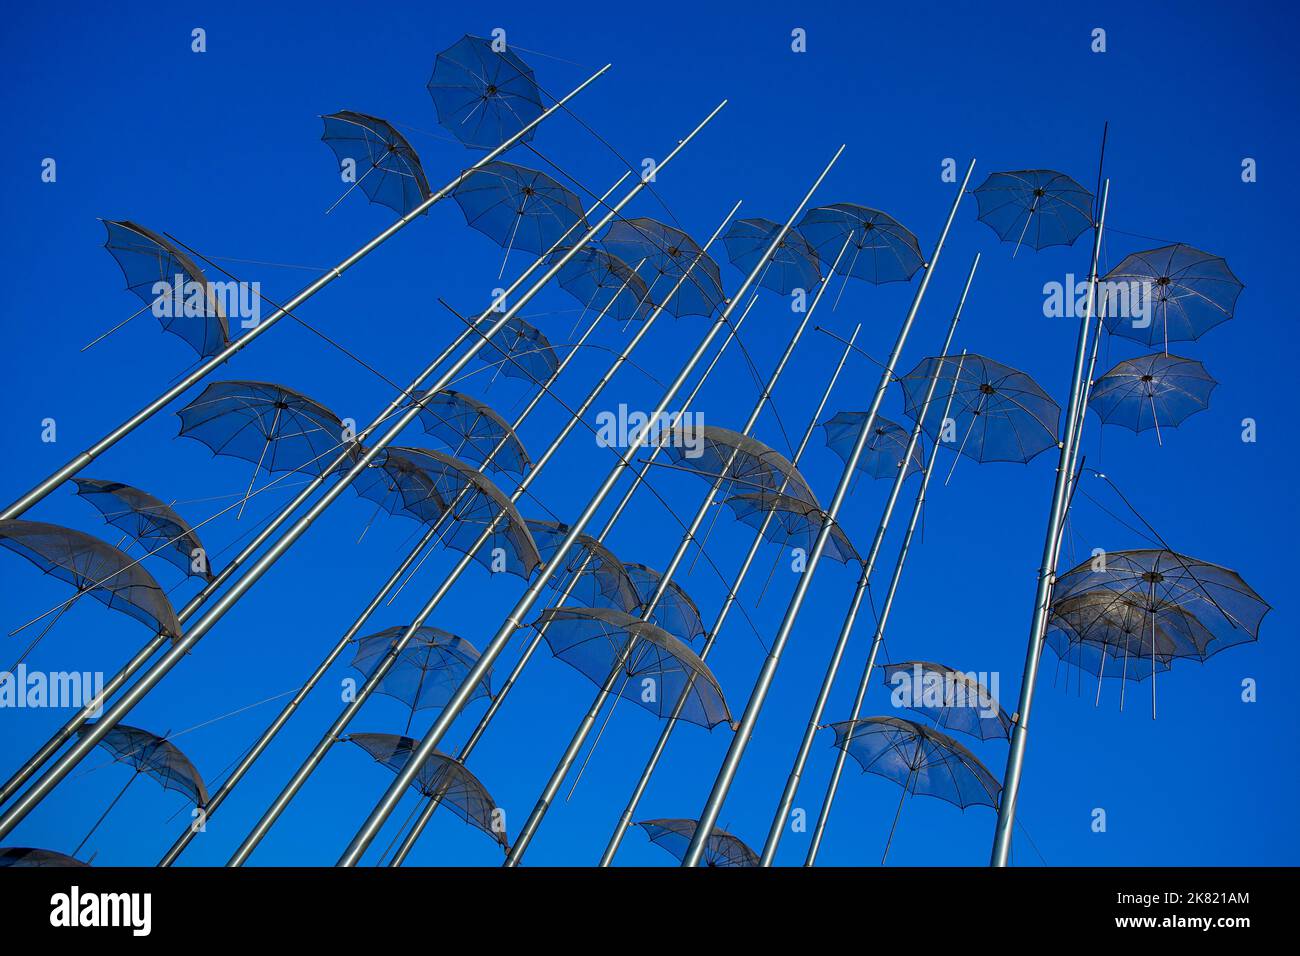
(675, 611)
(883, 250)
(170, 285)
(1153, 605)
(883, 454)
(520, 351)
(723, 849)
(791, 265)
(153, 756)
(919, 759)
(790, 522)
(519, 208)
(953, 699)
(474, 431)
(428, 670)
(399, 486)
(592, 575)
(1151, 391)
(1171, 294)
(443, 776)
(1040, 206)
(483, 94)
(601, 281)
(376, 158)
(670, 254)
(31, 856)
(155, 526)
(744, 461)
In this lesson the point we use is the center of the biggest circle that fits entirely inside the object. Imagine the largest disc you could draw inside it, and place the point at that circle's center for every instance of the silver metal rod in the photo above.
(576, 742)
(515, 618)
(708, 818)
(786, 801)
(158, 404)
(877, 640)
(23, 805)
(1047, 570)
(652, 762)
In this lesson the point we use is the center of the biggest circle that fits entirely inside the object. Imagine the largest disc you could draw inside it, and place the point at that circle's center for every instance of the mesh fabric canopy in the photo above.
(721, 849)
(1036, 207)
(791, 523)
(791, 265)
(657, 669)
(483, 97)
(517, 207)
(880, 250)
(157, 528)
(428, 671)
(31, 856)
(386, 168)
(519, 350)
(1153, 391)
(150, 754)
(746, 462)
(670, 254)
(474, 431)
(400, 487)
(951, 698)
(675, 612)
(147, 259)
(1171, 294)
(592, 575)
(883, 452)
(95, 568)
(599, 280)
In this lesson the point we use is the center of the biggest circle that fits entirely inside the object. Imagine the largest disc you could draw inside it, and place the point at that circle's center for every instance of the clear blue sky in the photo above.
(222, 149)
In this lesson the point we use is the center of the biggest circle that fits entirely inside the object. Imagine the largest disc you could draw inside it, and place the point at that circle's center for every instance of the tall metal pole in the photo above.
(1047, 570)
(180, 648)
(887, 605)
(722, 784)
(556, 781)
(503, 691)
(385, 664)
(162, 401)
(625, 820)
(515, 618)
(142, 657)
(777, 828)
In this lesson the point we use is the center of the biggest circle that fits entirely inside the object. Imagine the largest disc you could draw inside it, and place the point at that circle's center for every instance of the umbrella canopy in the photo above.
(791, 265)
(1109, 638)
(31, 856)
(602, 281)
(919, 759)
(744, 461)
(670, 254)
(520, 351)
(475, 504)
(790, 523)
(440, 775)
(95, 568)
(998, 413)
(882, 455)
(517, 207)
(881, 249)
(482, 96)
(1170, 294)
(953, 699)
(152, 265)
(386, 167)
(1153, 391)
(157, 528)
(155, 757)
(275, 428)
(675, 612)
(1037, 207)
(401, 487)
(657, 667)
(592, 575)
(721, 849)
(473, 430)
(427, 672)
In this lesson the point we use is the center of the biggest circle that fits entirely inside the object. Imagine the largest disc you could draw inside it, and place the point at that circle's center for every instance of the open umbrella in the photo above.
(427, 672)
(483, 96)
(600, 280)
(675, 612)
(882, 249)
(1151, 391)
(592, 575)
(1171, 294)
(791, 265)
(882, 455)
(517, 207)
(953, 699)
(722, 849)
(155, 526)
(1039, 206)
(382, 164)
(474, 431)
(670, 254)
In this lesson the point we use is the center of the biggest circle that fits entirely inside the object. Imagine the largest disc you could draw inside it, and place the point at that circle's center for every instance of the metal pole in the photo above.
(119, 680)
(336, 730)
(625, 821)
(121, 431)
(23, 805)
(556, 781)
(777, 828)
(722, 784)
(1047, 570)
(877, 639)
(514, 619)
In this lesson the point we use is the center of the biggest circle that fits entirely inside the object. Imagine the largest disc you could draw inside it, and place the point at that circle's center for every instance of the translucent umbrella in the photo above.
(155, 526)
(953, 699)
(791, 265)
(1170, 294)
(657, 668)
(675, 612)
(440, 775)
(592, 575)
(1000, 413)
(722, 849)
(520, 351)
(599, 280)
(1151, 391)
(919, 759)
(483, 97)
(670, 254)
(474, 431)
(399, 486)
(790, 522)
(31, 856)
(150, 263)
(517, 207)
(1038, 206)
(883, 453)
(882, 249)
(385, 166)
(427, 672)
(746, 462)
